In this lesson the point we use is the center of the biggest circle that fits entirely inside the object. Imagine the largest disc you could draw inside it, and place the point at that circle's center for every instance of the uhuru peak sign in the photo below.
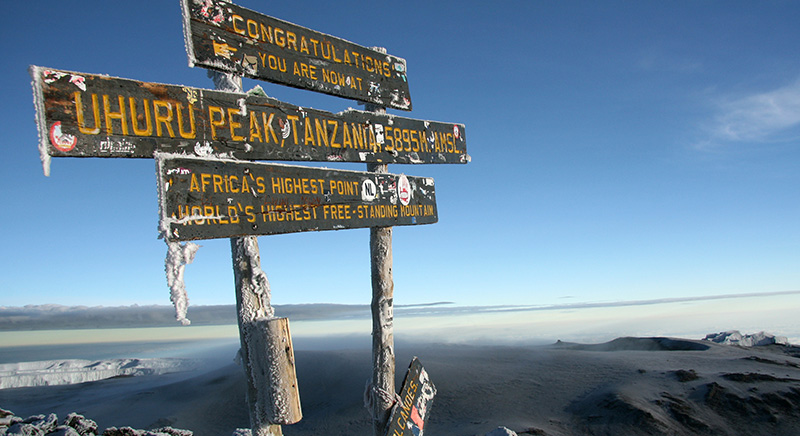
(85, 115)
(207, 198)
(227, 37)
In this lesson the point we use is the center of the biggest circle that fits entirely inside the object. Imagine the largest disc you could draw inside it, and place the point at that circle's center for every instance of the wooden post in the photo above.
(383, 358)
(266, 352)
(381, 392)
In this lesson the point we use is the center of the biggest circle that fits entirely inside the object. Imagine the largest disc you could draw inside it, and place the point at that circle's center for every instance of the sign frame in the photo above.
(89, 115)
(202, 198)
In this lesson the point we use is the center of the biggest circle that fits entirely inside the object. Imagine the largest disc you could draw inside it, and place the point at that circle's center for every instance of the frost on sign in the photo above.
(204, 198)
(87, 115)
(226, 37)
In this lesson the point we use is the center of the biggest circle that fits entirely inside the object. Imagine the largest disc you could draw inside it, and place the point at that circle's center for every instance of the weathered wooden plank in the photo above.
(410, 414)
(86, 115)
(204, 198)
(226, 37)
(269, 355)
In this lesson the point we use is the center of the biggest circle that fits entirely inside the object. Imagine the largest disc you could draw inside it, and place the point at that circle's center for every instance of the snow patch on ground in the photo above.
(65, 372)
(734, 337)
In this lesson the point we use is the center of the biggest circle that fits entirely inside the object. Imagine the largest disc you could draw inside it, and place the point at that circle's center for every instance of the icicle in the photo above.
(38, 103)
(45, 160)
(178, 256)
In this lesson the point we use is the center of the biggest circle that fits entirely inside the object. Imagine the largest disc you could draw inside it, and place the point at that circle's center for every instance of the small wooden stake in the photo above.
(271, 364)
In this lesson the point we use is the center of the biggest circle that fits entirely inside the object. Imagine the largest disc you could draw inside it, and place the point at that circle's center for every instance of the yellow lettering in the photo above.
(237, 19)
(294, 119)
(280, 40)
(414, 141)
(148, 126)
(163, 119)
(358, 136)
(309, 134)
(333, 133)
(198, 211)
(407, 139)
(303, 45)
(322, 134)
(193, 186)
(389, 137)
(252, 29)
(81, 121)
(266, 34)
(215, 123)
(268, 129)
(291, 40)
(255, 131)
(346, 141)
(328, 55)
(192, 133)
(233, 125)
(115, 115)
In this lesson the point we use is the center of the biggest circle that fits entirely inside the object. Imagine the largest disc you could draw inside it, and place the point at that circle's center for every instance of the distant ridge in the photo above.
(58, 317)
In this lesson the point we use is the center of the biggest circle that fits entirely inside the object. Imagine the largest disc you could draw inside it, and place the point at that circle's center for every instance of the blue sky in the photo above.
(620, 151)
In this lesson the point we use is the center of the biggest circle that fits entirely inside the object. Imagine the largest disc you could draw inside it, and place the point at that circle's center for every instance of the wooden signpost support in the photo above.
(381, 388)
(204, 141)
(266, 350)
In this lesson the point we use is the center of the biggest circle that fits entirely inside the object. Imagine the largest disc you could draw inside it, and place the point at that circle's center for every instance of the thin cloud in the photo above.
(764, 117)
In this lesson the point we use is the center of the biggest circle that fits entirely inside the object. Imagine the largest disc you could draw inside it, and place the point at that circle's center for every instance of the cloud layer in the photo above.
(762, 117)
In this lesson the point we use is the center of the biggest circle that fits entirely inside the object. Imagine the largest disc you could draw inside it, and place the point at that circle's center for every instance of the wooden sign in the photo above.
(203, 198)
(226, 37)
(85, 115)
(411, 412)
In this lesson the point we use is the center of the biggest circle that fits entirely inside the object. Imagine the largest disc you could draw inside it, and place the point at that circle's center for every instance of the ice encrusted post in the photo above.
(266, 346)
(380, 394)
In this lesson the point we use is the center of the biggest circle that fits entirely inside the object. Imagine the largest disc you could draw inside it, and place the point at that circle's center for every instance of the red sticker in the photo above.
(61, 141)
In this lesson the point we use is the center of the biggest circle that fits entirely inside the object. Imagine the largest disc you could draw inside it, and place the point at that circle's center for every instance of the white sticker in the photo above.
(286, 128)
(201, 149)
(368, 190)
(404, 190)
(378, 129)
